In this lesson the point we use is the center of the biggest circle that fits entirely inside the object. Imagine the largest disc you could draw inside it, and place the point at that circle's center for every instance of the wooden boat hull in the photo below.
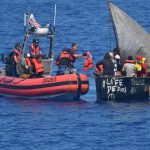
(47, 87)
(122, 88)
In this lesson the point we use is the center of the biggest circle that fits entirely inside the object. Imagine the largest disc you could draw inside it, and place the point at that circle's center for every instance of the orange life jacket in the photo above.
(65, 54)
(130, 61)
(101, 69)
(88, 61)
(35, 50)
(39, 67)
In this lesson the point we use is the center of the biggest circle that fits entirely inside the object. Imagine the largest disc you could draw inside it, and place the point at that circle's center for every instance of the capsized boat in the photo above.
(55, 87)
(131, 39)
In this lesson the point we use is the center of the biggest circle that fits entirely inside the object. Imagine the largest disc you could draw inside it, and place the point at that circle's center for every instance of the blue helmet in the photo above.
(35, 41)
(17, 45)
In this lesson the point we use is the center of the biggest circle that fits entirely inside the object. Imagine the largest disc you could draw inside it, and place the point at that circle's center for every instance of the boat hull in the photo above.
(55, 97)
(122, 88)
(67, 87)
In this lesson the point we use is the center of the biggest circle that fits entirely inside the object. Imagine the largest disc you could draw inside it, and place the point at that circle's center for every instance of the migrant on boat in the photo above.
(34, 72)
(133, 47)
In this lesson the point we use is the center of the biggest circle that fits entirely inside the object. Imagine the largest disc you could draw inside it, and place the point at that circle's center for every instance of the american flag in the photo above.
(33, 22)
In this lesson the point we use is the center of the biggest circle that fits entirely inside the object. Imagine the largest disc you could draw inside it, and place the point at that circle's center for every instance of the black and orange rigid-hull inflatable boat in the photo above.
(65, 87)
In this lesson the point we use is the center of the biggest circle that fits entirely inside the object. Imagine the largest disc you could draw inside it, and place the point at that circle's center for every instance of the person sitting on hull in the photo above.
(36, 58)
(138, 65)
(66, 59)
(108, 65)
(14, 56)
(129, 67)
(141, 66)
(144, 67)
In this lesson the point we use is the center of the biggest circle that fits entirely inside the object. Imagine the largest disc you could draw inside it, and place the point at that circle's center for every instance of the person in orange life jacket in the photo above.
(36, 54)
(66, 60)
(15, 56)
(38, 65)
(35, 49)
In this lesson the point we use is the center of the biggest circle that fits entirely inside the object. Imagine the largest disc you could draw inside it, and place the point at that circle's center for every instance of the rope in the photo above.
(5, 80)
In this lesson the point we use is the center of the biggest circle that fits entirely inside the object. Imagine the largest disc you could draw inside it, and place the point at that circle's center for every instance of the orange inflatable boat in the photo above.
(64, 87)
(59, 87)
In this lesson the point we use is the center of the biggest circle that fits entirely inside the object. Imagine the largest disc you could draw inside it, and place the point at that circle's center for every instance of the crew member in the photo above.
(66, 60)
(15, 56)
(35, 49)
(36, 55)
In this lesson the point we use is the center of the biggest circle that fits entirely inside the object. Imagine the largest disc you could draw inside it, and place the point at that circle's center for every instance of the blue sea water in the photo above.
(45, 125)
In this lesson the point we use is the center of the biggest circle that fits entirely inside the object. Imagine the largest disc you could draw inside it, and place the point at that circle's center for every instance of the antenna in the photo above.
(54, 17)
(108, 1)
(26, 30)
(25, 22)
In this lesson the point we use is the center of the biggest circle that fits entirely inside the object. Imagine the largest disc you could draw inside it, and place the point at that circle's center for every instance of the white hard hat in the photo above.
(28, 54)
(117, 57)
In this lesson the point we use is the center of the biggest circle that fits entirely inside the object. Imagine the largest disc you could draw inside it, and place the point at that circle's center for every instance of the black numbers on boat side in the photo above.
(51, 79)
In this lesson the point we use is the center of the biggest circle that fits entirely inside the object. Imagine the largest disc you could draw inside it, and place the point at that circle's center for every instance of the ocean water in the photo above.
(87, 125)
